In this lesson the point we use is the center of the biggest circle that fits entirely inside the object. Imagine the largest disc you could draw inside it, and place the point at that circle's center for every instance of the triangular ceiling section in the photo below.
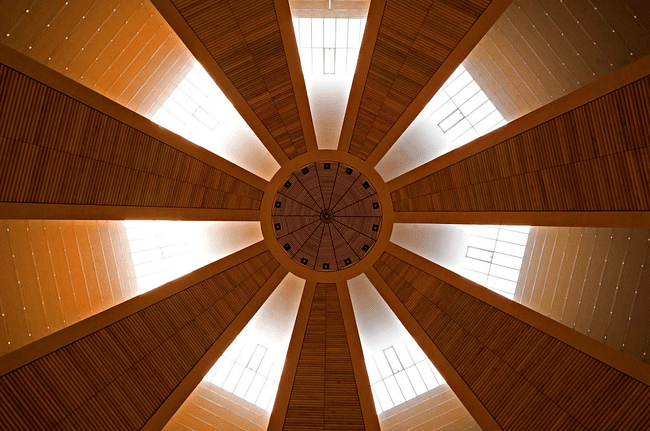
(408, 390)
(240, 389)
(533, 54)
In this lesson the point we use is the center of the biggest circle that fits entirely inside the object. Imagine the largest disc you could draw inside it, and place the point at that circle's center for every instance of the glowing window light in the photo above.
(399, 373)
(463, 111)
(494, 257)
(329, 46)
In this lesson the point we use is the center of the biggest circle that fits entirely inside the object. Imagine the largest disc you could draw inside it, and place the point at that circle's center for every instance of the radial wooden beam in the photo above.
(512, 367)
(581, 160)
(324, 384)
(407, 53)
(133, 365)
(68, 152)
(249, 49)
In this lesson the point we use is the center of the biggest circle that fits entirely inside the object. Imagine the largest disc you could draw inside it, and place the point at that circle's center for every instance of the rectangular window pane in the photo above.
(382, 365)
(394, 390)
(405, 385)
(257, 357)
(233, 377)
(255, 388)
(328, 67)
(416, 380)
(329, 30)
(317, 32)
(427, 375)
(393, 360)
(382, 395)
(403, 354)
(244, 383)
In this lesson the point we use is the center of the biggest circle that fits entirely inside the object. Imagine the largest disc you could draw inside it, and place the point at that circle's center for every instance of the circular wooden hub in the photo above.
(326, 216)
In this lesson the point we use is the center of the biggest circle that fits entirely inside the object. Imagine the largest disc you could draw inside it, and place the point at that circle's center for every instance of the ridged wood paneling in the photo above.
(594, 280)
(593, 158)
(324, 393)
(541, 50)
(122, 49)
(117, 377)
(56, 273)
(244, 39)
(210, 407)
(54, 149)
(438, 409)
(414, 39)
(525, 378)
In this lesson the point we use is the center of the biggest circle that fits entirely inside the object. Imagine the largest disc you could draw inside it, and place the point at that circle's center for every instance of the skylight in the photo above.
(462, 110)
(165, 250)
(494, 257)
(251, 366)
(198, 110)
(189, 109)
(400, 373)
(329, 46)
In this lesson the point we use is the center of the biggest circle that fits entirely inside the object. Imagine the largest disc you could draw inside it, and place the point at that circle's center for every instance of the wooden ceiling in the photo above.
(69, 151)
(343, 193)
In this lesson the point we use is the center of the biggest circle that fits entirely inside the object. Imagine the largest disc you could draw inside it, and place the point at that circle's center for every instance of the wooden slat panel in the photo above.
(102, 45)
(245, 41)
(414, 40)
(56, 150)
(324, 392)
(592, 158)
(59, 275)
(524, 377)
(118, 376)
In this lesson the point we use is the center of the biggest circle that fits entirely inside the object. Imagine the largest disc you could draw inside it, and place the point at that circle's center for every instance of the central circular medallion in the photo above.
(327, 216)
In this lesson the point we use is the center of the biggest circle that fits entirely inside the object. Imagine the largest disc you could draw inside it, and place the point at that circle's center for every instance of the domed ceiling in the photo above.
(75, 78)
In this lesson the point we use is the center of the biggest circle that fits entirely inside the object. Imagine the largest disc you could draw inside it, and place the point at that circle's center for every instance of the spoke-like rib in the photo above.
(407, 54)
(249, 49)
(581, 160)
(507, 363)
(142, 357)
(65, 147)
(324, 384)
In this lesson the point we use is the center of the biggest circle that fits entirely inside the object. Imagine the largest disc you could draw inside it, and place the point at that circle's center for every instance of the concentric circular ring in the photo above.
(327, 216)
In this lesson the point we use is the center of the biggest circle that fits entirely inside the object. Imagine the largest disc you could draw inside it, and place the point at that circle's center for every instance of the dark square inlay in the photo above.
(304, 261)
(287, 184)
(305, 171)
(326, 266)
(348, 171)
(278, 204)
(366, 185)
(375, 205)
(287, 247)
(326, 166)
(375, 227)
(365, 247)
(278, 226)
(347, 261)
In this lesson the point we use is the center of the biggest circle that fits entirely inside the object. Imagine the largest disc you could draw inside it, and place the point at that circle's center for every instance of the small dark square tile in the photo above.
(278, 204)
(287, 184)
(365, 247)
(327, 166)
(348, 171)
(277, 226)
(287, 247)
(366, 185)
(305, 171)
(375, 205)
(326, 266)
(347, 261)
(304, 261)
(375, 227)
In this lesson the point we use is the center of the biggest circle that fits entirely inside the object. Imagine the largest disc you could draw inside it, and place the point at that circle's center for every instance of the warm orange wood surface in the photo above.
(118, 376)
(56, 273)
(324, 392)
(525, 378)
(413, 41)
(122, 49)
(245, 41)
(70, 153)
(592, 158)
